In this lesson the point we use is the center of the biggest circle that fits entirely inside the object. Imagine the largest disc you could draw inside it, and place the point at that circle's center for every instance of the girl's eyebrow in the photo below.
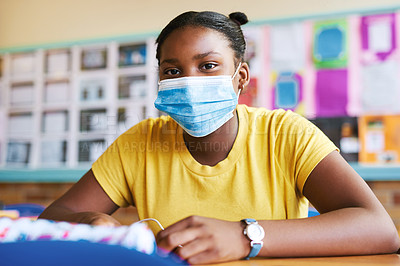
(200, 56)
(169, 60)
(196, 57)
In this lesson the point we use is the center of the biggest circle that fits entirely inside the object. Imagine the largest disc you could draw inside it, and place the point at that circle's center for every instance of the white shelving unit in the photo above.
(64, 107)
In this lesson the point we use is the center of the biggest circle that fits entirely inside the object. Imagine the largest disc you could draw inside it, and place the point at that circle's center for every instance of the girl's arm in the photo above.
(85, 202)
(352, 222)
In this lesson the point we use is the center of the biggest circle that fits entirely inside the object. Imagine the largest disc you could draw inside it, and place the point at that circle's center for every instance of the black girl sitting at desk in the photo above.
(226, 180)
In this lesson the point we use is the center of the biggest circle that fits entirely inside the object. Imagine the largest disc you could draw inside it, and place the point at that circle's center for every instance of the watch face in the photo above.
(255, 232)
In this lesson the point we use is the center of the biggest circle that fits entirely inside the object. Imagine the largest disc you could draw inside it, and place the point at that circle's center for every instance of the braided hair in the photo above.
(228, 26)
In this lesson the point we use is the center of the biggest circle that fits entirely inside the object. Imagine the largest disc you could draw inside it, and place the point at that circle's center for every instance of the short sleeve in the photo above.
(304, 146)
(109, 172)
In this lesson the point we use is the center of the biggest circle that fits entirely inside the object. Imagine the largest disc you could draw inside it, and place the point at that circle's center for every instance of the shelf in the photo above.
(378, 172)
(63, 175)
(41, 175)
(22, 78)
(69, 95)
(57, 77)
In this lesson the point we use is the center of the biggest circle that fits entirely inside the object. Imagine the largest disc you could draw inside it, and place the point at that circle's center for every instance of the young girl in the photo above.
(226, 180)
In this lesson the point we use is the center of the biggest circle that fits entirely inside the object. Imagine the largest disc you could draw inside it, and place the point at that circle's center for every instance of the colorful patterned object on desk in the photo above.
(136, 236)
(9, 213)
(26, 209)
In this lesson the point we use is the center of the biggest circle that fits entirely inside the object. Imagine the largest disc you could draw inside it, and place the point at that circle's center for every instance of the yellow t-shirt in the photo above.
(263, 176)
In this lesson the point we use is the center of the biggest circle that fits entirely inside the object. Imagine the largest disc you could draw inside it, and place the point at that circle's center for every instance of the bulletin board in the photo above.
(331, 69)
(334, 70)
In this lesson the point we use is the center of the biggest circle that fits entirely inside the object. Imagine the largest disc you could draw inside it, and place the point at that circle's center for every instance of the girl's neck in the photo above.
(213, 148)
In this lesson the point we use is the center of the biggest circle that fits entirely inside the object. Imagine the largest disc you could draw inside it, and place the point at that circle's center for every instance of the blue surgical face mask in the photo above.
(199, 104)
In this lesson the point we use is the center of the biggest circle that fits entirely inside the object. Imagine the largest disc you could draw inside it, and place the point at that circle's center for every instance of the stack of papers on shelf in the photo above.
(22, 94)
(58, 63)
(20, 124)
(56, 92)
(98, 121)
(130, 116)
(53, 152)
(23, 65)
(55, 122)
(96, 150)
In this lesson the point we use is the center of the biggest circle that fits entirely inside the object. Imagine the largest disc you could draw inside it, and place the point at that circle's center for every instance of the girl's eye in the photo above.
(209, 66)
(171, 72)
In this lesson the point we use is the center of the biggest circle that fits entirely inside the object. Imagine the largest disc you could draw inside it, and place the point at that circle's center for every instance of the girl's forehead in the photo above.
(195, 38)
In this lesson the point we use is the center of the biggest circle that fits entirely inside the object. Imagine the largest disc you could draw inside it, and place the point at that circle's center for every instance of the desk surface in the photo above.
(389, 259)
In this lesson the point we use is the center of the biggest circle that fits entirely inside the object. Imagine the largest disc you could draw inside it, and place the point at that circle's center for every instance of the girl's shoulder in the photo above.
(266, 114)
(153, 127)
(276, 120)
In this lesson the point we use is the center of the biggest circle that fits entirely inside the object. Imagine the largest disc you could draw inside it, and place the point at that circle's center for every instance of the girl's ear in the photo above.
(244, 76)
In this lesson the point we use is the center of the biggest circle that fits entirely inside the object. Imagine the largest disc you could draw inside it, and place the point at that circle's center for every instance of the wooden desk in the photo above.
(389, 259)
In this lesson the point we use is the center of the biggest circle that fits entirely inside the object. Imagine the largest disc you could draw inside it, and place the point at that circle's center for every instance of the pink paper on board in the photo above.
(367, 21)
(354, 88)
(309, 73)
(331, 92)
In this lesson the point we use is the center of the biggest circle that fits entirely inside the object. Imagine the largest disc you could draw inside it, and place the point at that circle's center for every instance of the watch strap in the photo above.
(255, 247)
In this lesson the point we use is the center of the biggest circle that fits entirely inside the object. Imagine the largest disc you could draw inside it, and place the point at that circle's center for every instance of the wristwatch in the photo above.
(256, 234)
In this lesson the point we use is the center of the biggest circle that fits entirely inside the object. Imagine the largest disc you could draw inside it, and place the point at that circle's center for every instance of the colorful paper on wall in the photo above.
(330, 44)
(288, 92)
(331, 92)
(254, 49)
(254, 37)
(249, 95)
(380, 87)
(379, 138)
(287, 47)
(354, 68)
(378, 33)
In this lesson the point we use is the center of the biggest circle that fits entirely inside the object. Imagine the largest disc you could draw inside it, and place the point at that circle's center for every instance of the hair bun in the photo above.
(239, 18)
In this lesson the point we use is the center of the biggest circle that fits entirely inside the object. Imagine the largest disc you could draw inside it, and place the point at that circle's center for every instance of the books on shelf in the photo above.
(89, 94)
(18, 152)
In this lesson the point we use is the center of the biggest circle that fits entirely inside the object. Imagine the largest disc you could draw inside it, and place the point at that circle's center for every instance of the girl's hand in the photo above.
(98, 218)
(205, 240)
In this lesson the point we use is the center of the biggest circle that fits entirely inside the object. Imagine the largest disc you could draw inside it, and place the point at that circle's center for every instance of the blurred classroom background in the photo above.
(76, 74)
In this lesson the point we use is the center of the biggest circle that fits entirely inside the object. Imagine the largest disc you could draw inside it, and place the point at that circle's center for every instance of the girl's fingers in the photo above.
(170, 240)
(195, 247)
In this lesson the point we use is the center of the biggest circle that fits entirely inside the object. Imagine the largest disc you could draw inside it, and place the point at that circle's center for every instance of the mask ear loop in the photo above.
(239, 91)
(151, 219)
(158, 223)
(237, 70)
